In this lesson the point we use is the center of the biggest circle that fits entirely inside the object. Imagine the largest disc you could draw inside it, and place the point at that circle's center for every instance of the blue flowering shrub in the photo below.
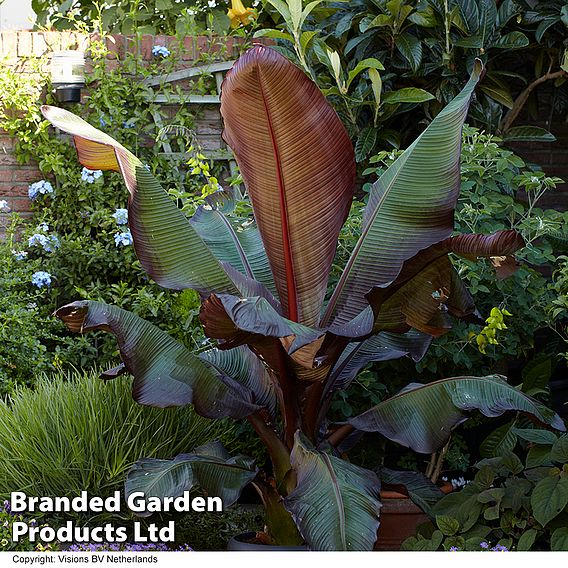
(78, 243)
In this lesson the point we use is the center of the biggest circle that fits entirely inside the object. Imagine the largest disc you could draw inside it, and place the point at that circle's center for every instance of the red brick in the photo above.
(9, 44)
(27, 176)
(18, 190)
(187, 49)
(7, 159)
(6, 175)
(18, 205)
(115, 46)
(202, 44)
(24, 44)
(146, 44)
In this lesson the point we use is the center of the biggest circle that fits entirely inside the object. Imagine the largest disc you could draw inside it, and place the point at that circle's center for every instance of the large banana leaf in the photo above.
(239, 321)
(233, 240)
(243, 366)
(382, 347)
(422, 417)
(209, 467)
(299, 167)
(165, 372)
(335, 503)
(411, 207)
(168, 247)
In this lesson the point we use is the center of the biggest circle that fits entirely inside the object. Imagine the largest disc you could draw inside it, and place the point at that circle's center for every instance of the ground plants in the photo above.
(73, 433)
(519, 505)
(280, 353)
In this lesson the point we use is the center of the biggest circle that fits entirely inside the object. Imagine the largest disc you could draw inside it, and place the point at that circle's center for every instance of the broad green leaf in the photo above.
(471, 42)
(462, 506)
(497, 89)
(500, 442)
(512, 40)
(275, 34)
(370, 63)
(295, 7)
(365, 142)
(410, 207)
(430, 412)
(527, 540)
(377, 86)
(411, 49)
(528, 134)
(379, 21)
(559, 539)
(559, 451)
(407, 95)
(168, 247)
(448, 525)
(283, 9)
(335, 503)
(165, 372)
(307, 37)
(208, 467)
(487, 19)
(549, 498)
(469, 12)
(295, 136)
(544, 26)
(537, 456)
(542, 437)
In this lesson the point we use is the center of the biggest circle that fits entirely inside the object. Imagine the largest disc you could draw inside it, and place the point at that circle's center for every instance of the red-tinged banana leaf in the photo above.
(382, 347)
(422, 417)
(209, 467)
(251, 321)
(335, 504)
(165, 372)
(429, 276)
(168, 247)
(233, 240)
(411, 207)
(243, 366)
(299, 168)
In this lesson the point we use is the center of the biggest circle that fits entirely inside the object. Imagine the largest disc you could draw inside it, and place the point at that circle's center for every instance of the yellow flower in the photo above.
(238, 14)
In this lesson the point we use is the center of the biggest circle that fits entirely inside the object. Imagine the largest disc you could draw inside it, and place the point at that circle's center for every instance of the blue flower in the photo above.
(454, 548)
(121, 216)
(42, 187)
(4, 208)
(90, 176)
(500, 548)
(42, 227)
(102, 122)
(19, 254)
(484, 544)
(123, 239)
(160, 50)
(41, 279)
(48, 242)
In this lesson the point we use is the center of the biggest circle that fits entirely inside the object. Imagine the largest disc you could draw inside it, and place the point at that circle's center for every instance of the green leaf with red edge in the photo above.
(335, 503)
(299, 167)
(411, 207)
(168, 247)
(430, 412)
(165, 372)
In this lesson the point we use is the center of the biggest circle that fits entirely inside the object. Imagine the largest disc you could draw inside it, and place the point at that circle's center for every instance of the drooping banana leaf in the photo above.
(244, 367)
(165, 372)
(335, 504)
(168, 247)
(411, 207)
(299, 167)
(232, 240)
(422, 417)
(240, 321)
(382, 347)
(427, 282)
(209, 467)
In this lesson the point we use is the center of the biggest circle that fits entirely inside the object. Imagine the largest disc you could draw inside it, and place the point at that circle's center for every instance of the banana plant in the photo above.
(282, 351)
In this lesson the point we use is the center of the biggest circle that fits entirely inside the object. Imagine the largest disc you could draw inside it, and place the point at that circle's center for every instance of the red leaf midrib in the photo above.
(286, 243)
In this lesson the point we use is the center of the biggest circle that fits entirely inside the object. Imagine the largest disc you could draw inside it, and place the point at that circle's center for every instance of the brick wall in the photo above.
(19, 48)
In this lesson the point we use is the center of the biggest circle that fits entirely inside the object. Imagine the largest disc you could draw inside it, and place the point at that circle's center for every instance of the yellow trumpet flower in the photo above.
(238, 14)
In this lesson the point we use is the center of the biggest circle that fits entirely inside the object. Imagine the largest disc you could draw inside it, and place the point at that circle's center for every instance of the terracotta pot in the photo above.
(400, 518)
